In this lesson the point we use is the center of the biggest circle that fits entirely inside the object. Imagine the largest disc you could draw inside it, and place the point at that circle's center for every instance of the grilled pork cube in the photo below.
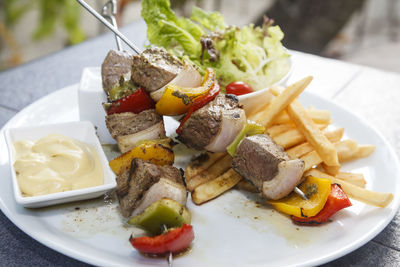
(128, 128)
(154, 68)
(266, 165)
(214, 126)
(144, 183)
(117, 64)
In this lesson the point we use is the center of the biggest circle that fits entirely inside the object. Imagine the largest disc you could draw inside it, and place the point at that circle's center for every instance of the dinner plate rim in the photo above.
(61, 248)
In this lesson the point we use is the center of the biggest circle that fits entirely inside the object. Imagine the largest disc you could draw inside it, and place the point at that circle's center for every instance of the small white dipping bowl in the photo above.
(261, 97)
(81, 130)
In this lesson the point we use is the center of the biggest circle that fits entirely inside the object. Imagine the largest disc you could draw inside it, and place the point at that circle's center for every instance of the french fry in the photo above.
(331, 170)
(282, 101)
(299, 150)
(353, 178)
(365, 151)
(335, 135)
(311, 132)
(366, 196)
(278, 129)
(282, 118)
(257, 115)
(313, 135)
(292, 137)
(215, 187)
(343, 147)
(289, 138)
(218, 168)
(319, 115)
(201, 163)
(304, 148)
(246, 186)
(346, 149)
(362, 151)
(311, 159)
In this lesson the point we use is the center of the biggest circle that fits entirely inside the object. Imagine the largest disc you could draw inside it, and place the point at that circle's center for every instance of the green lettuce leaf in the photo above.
(254, 55)
(165, 29)
(212, 21)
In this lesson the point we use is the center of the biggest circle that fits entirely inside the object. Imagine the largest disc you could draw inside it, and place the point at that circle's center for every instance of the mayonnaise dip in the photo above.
(56, 163)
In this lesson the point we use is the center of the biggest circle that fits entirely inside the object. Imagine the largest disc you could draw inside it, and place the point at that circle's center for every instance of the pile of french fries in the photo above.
(304, 134)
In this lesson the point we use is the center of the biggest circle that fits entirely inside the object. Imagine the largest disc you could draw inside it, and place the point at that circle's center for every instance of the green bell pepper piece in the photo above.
(251, 128)
(166, 212)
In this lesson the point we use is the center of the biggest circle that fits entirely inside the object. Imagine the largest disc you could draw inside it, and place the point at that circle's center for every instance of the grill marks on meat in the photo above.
(154, 68)
(205, 123)
(267, 166)
(129, 123)
(117, 64)
(137, 181)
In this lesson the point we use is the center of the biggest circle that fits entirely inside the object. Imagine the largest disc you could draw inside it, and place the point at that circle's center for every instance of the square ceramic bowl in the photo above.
(81, 130)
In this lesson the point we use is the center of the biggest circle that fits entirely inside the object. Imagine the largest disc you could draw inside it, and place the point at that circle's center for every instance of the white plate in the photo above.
(230, 231)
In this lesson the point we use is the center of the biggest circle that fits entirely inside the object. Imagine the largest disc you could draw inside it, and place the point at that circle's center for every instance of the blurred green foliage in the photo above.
(52, 12)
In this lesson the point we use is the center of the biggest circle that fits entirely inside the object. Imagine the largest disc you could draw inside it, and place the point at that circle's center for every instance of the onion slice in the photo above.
(232, 123)
(188, 77)
(290, 174)
(127, 142)
(164, 188)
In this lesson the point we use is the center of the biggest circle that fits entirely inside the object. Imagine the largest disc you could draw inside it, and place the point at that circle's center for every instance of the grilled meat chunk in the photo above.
(205, 124)
(154, 68)
(129, 123)
(117, 64)
(144, 183)
(267, 166)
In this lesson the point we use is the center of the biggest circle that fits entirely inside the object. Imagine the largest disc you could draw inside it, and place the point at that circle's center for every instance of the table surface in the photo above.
(377, 93)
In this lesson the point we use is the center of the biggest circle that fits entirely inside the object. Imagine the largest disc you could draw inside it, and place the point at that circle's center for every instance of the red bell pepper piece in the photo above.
(337, 200)
(199, 103)
(173, 241)
(135, 102)
(238, 88)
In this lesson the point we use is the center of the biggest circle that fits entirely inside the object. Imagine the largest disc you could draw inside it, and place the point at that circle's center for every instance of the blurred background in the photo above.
(360, 31)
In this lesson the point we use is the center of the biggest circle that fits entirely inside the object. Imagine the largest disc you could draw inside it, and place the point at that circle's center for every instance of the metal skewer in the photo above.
(300, 193)
(112, 7)
(169, 259)
(109, 25)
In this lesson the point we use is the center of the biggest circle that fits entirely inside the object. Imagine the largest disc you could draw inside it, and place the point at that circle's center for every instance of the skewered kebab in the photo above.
(258, 159)
(143, 183)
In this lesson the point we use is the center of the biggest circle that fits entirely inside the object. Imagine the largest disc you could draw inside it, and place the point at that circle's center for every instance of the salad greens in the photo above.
(251, 54)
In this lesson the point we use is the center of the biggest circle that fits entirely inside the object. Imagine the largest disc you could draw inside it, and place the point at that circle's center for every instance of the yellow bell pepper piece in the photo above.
(177, 100)
(156, 151)
(317, 191)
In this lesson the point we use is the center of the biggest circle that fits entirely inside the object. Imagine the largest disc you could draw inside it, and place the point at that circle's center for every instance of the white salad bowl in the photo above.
(83, 131)
(261, 97)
